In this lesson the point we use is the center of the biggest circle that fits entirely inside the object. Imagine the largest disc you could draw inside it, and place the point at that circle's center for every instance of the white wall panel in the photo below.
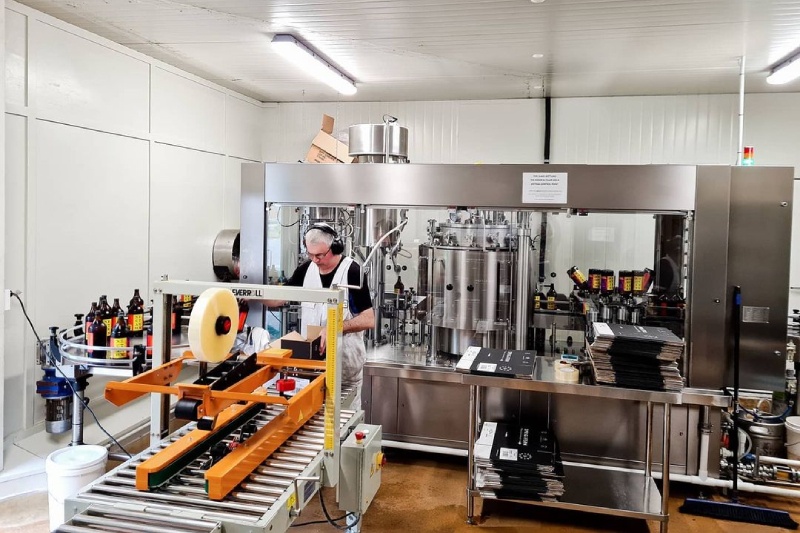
(16, 54)
(186, 211)
(86, 83)
(187, 113)
(90, 221)
(18, 359)
(500, 132)
(438, 132)
(244, 123)
(693, 129)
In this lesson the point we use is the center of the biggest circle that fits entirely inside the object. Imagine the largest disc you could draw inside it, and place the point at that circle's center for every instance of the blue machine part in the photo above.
(53, 386)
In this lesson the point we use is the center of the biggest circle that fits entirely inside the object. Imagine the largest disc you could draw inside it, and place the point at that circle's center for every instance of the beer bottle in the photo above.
(149, 342)
(537, 299)
(89, 320)
(177, 312)
(96, 336)
(135, 318)
(137, 298)
(80, 325)
(186, 300)
(282, 279)
(119, 338)
(115, 308)
(551, 298)
(106, 314)
(244, 309)
(398, 287)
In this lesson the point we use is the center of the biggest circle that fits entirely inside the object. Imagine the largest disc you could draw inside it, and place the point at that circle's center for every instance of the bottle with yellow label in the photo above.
(119, 338)
(538, 298)
(106, 315)
(551, 298)
(135, 318)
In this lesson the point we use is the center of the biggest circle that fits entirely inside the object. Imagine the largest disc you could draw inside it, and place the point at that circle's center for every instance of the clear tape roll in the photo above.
(206, 344)
(564, 371)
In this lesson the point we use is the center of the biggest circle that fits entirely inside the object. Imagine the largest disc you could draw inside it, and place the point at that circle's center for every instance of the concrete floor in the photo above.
(425, 493)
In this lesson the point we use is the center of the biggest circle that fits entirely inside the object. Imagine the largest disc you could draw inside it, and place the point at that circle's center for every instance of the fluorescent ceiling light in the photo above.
(310, 61)
(786, 71)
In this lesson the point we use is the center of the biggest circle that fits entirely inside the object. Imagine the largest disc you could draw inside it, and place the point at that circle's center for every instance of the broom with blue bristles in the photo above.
(733, 510)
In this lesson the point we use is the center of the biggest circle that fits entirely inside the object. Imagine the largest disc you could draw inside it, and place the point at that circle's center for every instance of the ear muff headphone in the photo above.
(337, 246)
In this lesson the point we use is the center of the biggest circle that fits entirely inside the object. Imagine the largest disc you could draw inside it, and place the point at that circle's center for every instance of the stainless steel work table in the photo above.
(592, 488)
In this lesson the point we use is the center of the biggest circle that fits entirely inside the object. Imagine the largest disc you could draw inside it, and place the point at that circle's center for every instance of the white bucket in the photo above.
(793, 437)
(68, 470)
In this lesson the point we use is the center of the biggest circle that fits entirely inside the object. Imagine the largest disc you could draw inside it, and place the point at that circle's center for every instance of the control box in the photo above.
(360, 464)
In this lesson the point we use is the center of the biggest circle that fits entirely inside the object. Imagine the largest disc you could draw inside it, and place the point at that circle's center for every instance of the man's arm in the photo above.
(273, 303)
(362, 321)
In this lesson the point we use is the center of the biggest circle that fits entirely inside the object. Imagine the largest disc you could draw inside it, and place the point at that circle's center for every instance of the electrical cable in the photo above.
(328, 519)
(278, 217)
(332, 520)
(280, 321)
(54, 363)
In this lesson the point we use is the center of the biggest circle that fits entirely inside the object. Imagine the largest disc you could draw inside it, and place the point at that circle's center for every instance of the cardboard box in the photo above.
(327, 149)
(301, 347)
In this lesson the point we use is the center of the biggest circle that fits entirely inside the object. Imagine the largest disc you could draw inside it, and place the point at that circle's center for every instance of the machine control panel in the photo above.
(360, 468)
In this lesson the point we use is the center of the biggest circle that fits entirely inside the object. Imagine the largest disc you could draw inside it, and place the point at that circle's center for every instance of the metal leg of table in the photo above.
(665, 468)
(648, 442)
(473, 428)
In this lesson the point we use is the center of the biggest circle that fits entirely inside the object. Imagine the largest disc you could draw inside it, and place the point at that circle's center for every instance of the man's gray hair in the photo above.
(317, 236)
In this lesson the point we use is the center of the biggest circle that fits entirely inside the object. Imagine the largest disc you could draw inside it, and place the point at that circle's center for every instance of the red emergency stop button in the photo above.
(359, 437)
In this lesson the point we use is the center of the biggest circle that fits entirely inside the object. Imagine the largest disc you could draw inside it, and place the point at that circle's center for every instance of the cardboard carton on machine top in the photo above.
(302, 347)
(325, 148)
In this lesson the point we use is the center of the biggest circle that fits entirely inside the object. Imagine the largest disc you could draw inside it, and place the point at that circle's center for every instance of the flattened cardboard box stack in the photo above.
(497, 362)
(636, 357)
(518, 463)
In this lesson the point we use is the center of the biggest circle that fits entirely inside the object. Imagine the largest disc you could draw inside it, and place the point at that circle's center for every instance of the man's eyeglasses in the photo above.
(318, 257)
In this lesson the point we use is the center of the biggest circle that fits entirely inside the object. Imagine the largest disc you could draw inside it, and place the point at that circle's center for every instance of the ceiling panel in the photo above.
(456, 49)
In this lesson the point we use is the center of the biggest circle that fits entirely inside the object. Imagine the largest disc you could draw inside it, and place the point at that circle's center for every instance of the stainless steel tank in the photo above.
(379, 143)
(470, 286)
(225, 255)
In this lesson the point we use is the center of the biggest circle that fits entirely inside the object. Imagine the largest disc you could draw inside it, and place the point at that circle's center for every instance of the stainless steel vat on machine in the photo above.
(466, 273)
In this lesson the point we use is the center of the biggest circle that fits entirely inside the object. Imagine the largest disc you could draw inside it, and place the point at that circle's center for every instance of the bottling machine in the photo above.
(524, 256)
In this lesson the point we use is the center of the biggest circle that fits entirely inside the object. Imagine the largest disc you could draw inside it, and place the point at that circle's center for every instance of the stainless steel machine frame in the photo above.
(729, 210)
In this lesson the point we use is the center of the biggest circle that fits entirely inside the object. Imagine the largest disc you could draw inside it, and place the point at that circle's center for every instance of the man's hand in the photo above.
(323, 336)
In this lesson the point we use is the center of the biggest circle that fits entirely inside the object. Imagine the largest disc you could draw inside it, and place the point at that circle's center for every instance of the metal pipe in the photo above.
(665, 464)
(77, 418)
(728, 484)
(779, 461)
(523, 280)
(648, 441)
(206, 503)
(740, 153)
(163, 518)
(425, 448)
(129, 526)
(705, 435)
(168, 508)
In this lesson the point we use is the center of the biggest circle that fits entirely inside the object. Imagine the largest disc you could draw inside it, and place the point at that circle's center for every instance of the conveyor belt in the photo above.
(182, 504)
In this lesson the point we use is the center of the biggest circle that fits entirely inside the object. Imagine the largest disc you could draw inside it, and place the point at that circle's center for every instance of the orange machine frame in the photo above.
(225, 405)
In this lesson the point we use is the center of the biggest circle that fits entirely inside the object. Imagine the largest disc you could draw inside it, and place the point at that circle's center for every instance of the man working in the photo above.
(326, 266)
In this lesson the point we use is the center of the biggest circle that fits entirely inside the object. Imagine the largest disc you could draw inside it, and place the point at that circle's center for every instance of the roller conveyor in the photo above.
(183, 505)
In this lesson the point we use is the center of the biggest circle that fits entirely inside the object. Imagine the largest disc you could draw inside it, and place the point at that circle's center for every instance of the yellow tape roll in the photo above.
(208, 338)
